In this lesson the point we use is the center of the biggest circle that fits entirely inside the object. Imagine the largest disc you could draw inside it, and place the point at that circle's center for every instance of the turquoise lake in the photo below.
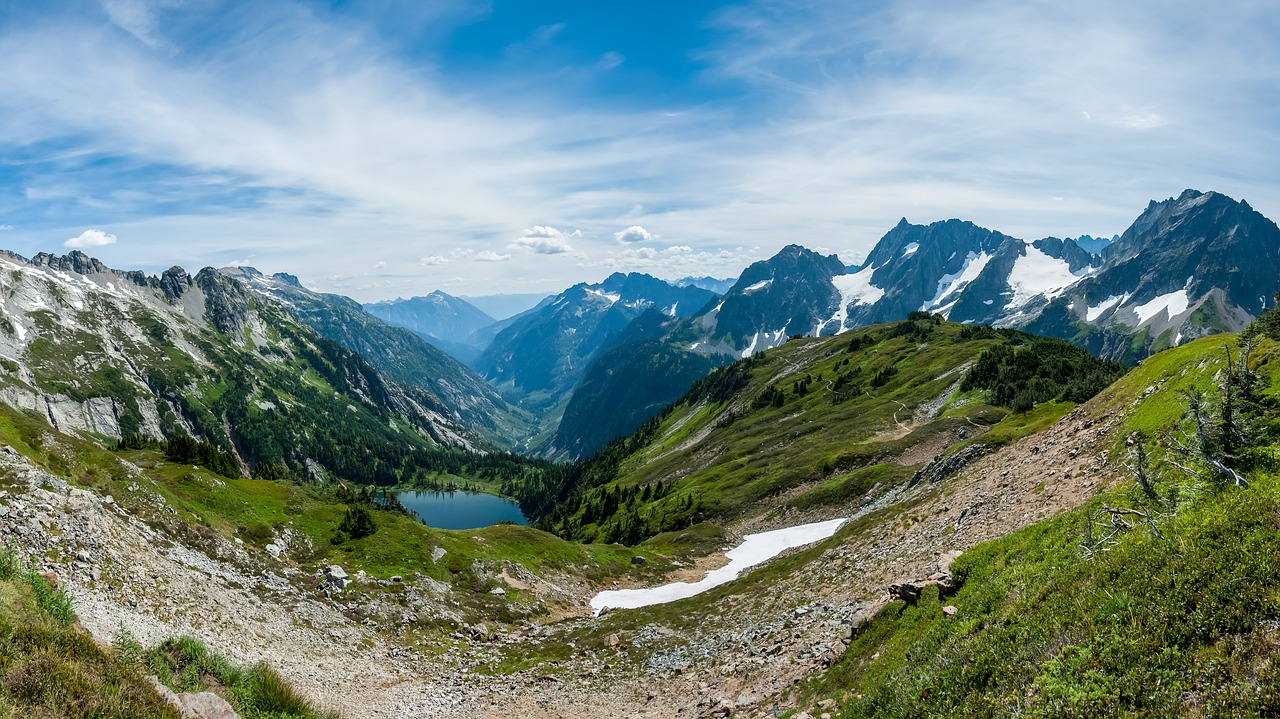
(461, 510)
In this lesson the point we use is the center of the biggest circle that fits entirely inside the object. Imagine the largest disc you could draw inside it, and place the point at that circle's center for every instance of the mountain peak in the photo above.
(288, 279)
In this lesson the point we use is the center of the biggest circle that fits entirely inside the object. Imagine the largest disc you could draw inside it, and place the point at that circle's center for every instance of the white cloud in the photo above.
(379, 264)
(857, 114)
(433, 260)
(676, 249)
(610, 60)
(545, 240)
(90, 238)
(491, 256)
(635, 233)
(644, 253)
(139, 18)
(5, 228)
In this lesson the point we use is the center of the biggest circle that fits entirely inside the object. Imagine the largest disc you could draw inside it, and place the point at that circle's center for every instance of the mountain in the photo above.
(398, 353)
(114, 353)
(628, 381)
(541, 355)
(807, 422)
(1094, 245)
(718, 286)
(450, 323)
(1188, 266)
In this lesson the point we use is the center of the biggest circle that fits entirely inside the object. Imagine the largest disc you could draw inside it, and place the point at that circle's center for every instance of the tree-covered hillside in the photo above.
(821, 422)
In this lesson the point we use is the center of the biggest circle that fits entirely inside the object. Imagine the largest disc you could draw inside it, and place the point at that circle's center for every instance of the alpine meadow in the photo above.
(679, 360)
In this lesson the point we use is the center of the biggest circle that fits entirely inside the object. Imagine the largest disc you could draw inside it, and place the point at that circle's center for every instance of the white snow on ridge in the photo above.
(1037, 274)
(854, 288)
(953, 283)
(751, 347)
(613, 297)
(758, 286)
(1093, 313)
(755, 549)
(1175, 302)
(910, 249)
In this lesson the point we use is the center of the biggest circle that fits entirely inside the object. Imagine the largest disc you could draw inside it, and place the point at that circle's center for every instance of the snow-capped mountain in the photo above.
(545, 351)
(1188, 266)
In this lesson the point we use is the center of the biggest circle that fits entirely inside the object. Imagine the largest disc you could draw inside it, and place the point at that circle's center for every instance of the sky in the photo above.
(387, 148)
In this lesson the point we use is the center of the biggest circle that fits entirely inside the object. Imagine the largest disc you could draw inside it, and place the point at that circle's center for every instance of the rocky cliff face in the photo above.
(110, 353)
(448, 387)
(1188, 266)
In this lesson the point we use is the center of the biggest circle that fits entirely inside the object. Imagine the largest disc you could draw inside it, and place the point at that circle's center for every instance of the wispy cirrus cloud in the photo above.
(291, 134)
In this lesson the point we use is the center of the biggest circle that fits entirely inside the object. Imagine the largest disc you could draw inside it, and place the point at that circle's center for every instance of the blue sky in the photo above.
(387, 148)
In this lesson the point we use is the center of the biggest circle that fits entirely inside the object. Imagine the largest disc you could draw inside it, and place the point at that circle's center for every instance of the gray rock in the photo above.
(498, 591)
(202, 705)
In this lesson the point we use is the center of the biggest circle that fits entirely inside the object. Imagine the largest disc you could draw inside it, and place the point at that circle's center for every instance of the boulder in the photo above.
(197, 705)
(906, 591)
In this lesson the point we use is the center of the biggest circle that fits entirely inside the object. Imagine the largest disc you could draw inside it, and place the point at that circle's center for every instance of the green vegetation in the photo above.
(1026, 371)
(51, 669)
(184, 664)
(1155, 599)
(831, 417)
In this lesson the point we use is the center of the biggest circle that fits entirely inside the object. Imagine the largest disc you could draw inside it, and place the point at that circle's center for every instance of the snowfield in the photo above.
(1037, 274)
(1175, 302)
(755, 548)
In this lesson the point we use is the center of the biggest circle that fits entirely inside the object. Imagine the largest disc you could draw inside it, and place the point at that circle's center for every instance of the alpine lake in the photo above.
(461, 510)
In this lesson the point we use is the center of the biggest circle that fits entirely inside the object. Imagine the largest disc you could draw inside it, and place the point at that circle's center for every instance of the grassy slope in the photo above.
(812, 440)
(1179, 625)
(51, 669)
(255, 510)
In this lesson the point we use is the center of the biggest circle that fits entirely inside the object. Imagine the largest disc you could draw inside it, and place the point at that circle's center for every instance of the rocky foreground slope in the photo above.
(411, 645)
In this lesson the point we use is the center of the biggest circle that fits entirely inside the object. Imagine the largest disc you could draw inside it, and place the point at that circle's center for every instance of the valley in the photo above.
(233, 458)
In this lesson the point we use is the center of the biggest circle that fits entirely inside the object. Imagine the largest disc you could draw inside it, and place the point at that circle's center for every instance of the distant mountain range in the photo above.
(595, 361)
(540, 356)
(1188, 266)
(450, 323)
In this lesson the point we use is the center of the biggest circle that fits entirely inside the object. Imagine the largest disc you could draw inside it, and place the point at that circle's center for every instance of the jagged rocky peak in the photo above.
(74, 261)
(174, 283)
(288, 279)
(226, 301)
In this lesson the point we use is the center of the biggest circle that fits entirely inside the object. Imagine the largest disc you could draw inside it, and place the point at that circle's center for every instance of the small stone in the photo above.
(950, 610)
(638, 561)
(612, 640)
(498, 591)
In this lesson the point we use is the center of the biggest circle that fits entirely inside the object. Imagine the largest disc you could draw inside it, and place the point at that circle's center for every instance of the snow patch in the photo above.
(755, 549)
(613, 297)
(1036, 274)
(957, 281)
(910, 249)
(1093, 313)
(854, 289)
(751, 347)
(1175, 302)
(758, 286)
